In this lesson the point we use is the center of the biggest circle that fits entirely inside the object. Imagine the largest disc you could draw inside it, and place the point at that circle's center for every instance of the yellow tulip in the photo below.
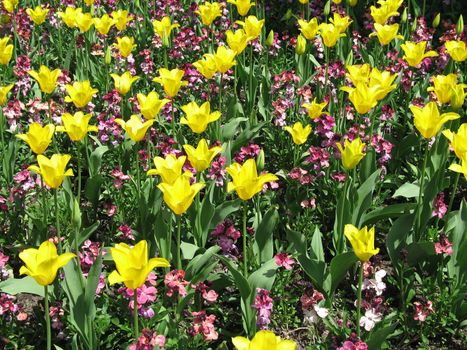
(125, 45)
(243, 6)
(121, 18)
(362, 241)
(382, 14)
(456, 49)
(458, 140)
(382, 82)
(42, 264)
(10, 5)
(386, 33)
(4, 90)
(134, 127)
(393, 5)
(299, 133)
(46, 78)
(84, 21)
(132, 264)
(206, 66)
(163, 28)
(363, 97)
(352, 153)
(415, 52)
(171, 80)
(179, 195)
(6, 50)
(198, 117)
(209, 12)
(69, 16)
(263, 340)
(201, 157)
(300, 47)
(303, 2)
(443, 86)
(89, 2)
(460, 168)
(103, 24)
(252, 27)
(341, 23)
(353, 3)
(52, 170)
(224, 58)
(80, 93)
(330, 34)
(245, 179)
(151, 105)
(38, 15)
(458, 95)
(428, 121)
(38, 137)
(237, 40)
(308, 29)
(123, 82)
(76, 126)
(314, 109)
(337, 1)
(169, 168)
(358, 73)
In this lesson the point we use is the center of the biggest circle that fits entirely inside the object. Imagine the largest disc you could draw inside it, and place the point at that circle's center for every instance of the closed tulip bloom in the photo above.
(103, 24)
(224, 58)
(69, 16)
(303, 2)
(201, 157)
(132, 264)
(362, 241)
(125, 45)
(352, 153)
(209, 12)
(121, 18)
(243, 6)
(169, 168)
(4, 90)
(38, 137)
(460, 168)
(299, 133)
(237, 40)
(382, 14)
(164, 28)
(150, 105)
(330, 34)
(341, 23)
(386, 33)
(42, 264)
(300, 47)
(10, 5)
(80, 93)
(171, 80)
(198, 117)
(134, 127)
(458, 95)
(245, 179)
(315, 109)
(363, 97)
(308, 29)
(206, 66)
(179, 195)
(263, 340)
(428, 121)
(382, 82)
(458, 140)
(6, 50)
(457, 50)
(415, 52)
(77, 125)
(252, 27)
(358, 73)
(38, 15)
(53, 170)
(84, 21)
(46, 78)
(443, 86)
(123, 82)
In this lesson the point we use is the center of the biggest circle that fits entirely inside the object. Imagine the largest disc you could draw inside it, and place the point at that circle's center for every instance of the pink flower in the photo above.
(175, 283)
(422, 311)
(439, 207)
(284, 260)
(148, 340)
(443, 246)
(204, 324)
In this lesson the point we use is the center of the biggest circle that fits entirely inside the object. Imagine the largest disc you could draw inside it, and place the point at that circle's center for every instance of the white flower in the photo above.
(370, 319)
(377, 284)
(312, 316)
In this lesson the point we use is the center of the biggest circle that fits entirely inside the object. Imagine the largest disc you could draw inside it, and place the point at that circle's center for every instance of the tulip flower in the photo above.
(362, 241)
(10, 5)
(38, 137)
(52, 170)
(103, 24)
(300, 47)
(263, 340)
(308, 29)
(460, 168)
(121, 18)
(77, 125)
(330, 34)
(363, 97)
(180, 194)
(303, 2)
(358, 73)
(381, 82)
(458, 95)
(198, 117)
(252, 27)
(243, 6)
(209, 12)
(46, 78)
(315, 109)
(457, 50)
(415, 52)
(38, 15)
(123, 82)
(237, 40)
(164, 28)
(428, 121)
(84, 21)
(352, 153)
(224, 58)
(171, 80)
(89, 2)
(201, 157)
(386, 33)
(150, 105)
(169, 168)
(134, 127)
(6, 50)
(458, 140)
(443, 86)
(80, 93)
(245, 179)
(340, 23)
(382, 14)
(125, 45)
(4, 90)
(299, 133)
(206, 66)
(69, 16)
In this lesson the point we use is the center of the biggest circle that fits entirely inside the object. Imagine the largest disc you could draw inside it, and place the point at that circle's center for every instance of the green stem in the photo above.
(57, 222)
(135, 313)
(359, 297)
(420, 195)
(340, 241)
(245, 251)
(44, 208)
(47, 318)
(453, 193)
(220, 91)
(179, 228)
(250, 84)
(78, 156)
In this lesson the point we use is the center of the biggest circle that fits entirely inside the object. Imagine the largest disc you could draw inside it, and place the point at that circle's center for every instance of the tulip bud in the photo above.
(460, 25)
(436, 20)
(76, 216)
(353, 3)
(288, 15)
(270, 39)
(260, 161)
(107, 56)
(404, 16)
(300, 47)
(337, 1)
(327, 8)
(414, 25)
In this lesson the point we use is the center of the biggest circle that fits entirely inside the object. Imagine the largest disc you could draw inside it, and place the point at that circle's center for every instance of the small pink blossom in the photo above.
(284, 260)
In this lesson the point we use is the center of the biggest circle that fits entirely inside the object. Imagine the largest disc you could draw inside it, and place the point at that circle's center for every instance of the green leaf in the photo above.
(317, 251)
(86, 233)
(264, 235)
(391, 211)
(364, 197)
(231, 128)
(201, 265)
(27, 284)
(407, 190)
(399, 237)
(264, 277)
(224, 210)
(378, 337)
(418, 252)
(95, 160)
(340, 264)
(240, 281)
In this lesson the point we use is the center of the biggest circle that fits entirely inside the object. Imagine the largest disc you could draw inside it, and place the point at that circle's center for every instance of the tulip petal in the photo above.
(115, 277)
(241, 343)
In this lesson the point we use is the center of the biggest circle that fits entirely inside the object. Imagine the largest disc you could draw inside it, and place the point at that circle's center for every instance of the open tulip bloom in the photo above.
(263, 340)
(53, 170)
(169, 168)
(38, 137)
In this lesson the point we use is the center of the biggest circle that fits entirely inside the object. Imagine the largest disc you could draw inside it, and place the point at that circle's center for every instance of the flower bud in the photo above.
(270, 39)
(300, 47)
(436, 20)
(107, 56)
(460, 25)
(76, 216)
(404, 16)
(327, 8)
(353, 3)
(260, 161)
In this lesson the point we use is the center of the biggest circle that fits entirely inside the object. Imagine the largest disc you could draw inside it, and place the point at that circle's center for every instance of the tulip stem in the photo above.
(179, 228)
(340, 241)
(47, 318)
(453, 194)
(135, 313)
(57, 222)
(245, 252)
(359, 297)
(420, 195)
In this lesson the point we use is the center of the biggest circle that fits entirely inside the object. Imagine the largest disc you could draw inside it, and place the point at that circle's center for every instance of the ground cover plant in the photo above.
(284, 174)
